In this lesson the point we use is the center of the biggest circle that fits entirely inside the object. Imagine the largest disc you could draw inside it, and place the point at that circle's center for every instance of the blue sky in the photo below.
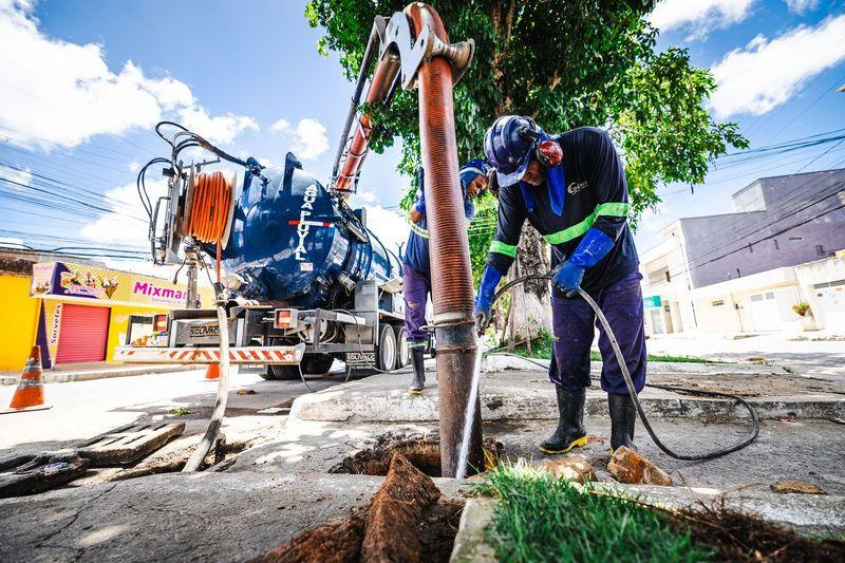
(81, 83)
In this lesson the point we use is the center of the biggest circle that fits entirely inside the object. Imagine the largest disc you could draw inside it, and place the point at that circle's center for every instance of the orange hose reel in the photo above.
(210, 210)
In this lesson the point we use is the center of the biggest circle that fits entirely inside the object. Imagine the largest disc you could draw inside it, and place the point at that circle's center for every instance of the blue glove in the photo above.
(490, 278)
(593, 247)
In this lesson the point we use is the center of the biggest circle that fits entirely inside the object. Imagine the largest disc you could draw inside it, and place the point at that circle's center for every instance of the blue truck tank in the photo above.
(292, 242)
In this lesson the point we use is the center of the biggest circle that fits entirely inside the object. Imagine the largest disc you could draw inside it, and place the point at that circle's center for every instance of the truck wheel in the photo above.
(316, 364)
(283, 373)
(386, 352)
(403, 353)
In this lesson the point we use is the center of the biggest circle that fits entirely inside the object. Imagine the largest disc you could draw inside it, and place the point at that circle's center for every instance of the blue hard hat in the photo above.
(507, 149)
(473, 168)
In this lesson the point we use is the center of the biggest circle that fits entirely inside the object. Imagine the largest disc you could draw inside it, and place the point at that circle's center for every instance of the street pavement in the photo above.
(84, 409)
(805, 353)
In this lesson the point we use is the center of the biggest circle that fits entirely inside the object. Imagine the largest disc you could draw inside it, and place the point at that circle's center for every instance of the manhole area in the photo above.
(422, 449)
(438, 527)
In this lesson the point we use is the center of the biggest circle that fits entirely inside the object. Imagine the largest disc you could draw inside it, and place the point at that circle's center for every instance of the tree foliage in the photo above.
(567, 63)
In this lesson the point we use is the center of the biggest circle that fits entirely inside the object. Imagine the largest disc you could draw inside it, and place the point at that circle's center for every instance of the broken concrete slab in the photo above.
(128, 445)
(172, 517)
(26, 474)
(470, 544)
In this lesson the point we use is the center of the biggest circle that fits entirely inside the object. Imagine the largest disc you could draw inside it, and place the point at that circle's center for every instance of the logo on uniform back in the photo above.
(576, 187)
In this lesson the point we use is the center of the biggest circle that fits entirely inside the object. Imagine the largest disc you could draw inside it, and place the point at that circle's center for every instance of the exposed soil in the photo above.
(406, 521)
(438, 528)
(741, 536)
(422, 449)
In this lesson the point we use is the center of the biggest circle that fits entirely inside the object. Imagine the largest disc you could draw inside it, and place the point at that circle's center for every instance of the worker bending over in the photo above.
(417, 270)
(572, 189)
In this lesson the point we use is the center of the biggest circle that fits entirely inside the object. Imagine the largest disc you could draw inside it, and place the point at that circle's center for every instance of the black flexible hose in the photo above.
(626, 375)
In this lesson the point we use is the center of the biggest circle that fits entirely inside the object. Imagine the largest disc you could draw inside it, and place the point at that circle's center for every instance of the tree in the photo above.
(567, 63)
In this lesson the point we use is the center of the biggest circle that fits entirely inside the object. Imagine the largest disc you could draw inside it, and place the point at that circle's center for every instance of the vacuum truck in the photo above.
(304, 279)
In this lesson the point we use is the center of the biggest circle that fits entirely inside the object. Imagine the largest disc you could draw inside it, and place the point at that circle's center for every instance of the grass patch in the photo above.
(542, 518)
(541, 348)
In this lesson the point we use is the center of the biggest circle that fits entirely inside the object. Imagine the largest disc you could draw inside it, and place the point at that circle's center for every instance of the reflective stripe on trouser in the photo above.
(574, 322)
(417, 286)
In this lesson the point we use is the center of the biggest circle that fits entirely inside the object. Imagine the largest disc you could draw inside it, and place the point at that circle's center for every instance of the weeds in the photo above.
(542, 518)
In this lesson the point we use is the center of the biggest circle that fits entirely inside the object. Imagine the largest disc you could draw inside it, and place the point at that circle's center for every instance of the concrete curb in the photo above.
(90, 375)
(807, 513)
(347, 403)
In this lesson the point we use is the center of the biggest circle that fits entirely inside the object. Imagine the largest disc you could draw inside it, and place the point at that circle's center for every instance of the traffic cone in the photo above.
(213, 371)
(30, 392)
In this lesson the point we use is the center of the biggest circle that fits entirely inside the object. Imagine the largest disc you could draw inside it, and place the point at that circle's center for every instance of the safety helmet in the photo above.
(511, 142)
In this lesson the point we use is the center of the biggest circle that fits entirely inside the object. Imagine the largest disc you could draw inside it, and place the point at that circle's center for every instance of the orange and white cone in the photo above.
(213, 371)
(29, 395)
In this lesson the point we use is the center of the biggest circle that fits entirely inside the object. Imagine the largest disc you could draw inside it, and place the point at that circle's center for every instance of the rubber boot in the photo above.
(570, 430)
(623, 418)
(418, 383)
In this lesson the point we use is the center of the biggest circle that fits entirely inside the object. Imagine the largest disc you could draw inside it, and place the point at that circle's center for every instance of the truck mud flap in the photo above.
(281, 355)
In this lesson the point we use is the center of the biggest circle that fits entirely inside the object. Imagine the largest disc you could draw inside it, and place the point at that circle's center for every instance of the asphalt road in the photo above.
(84, 409)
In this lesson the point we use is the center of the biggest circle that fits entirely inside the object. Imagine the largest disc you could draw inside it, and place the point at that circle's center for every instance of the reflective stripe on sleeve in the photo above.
(502, 248)
(614, 209)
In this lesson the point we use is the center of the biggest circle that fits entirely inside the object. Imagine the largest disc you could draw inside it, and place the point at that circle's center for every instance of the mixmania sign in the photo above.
(57, 280)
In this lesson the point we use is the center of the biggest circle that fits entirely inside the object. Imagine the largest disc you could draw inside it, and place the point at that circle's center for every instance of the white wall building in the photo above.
(747, 271)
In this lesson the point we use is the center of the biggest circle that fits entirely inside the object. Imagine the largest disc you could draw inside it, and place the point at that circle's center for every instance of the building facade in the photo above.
(76, 312)
(773, 265)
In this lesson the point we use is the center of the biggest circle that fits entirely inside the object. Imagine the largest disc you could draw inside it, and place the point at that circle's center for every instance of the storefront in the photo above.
(83, 311)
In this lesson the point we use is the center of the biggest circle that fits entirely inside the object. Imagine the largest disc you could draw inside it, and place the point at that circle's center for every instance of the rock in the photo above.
(573, 467)
(391, 522)
(798, 487)
(630, 467)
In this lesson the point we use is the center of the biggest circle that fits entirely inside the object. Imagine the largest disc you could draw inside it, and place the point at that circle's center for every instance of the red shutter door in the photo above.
(83, 334)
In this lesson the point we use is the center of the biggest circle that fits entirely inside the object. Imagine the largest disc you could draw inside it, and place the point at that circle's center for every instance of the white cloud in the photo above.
(388, 225)
(134, 166)
(801, 6)
(10, 241)
(367, 197)
(58, 93)
(219, 129)
(122, 227)
(765, 74)
(15, 177)
(699, 16)
(309, 137)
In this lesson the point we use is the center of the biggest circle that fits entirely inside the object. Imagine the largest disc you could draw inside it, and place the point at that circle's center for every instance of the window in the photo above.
(750, 248)
(738, 273)
(668, 276)
(718, 303)
(795, 239)
(820, 250)
(776, 245)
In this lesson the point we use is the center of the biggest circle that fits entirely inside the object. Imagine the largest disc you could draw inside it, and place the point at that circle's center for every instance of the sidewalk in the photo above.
(88, 372)
(808, 353)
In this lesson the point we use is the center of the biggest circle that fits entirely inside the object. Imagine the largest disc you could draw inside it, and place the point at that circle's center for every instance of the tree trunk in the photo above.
(530, 301)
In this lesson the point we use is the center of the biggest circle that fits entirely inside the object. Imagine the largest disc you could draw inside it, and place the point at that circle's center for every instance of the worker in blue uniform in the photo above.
(416, 269)
(572, 189)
